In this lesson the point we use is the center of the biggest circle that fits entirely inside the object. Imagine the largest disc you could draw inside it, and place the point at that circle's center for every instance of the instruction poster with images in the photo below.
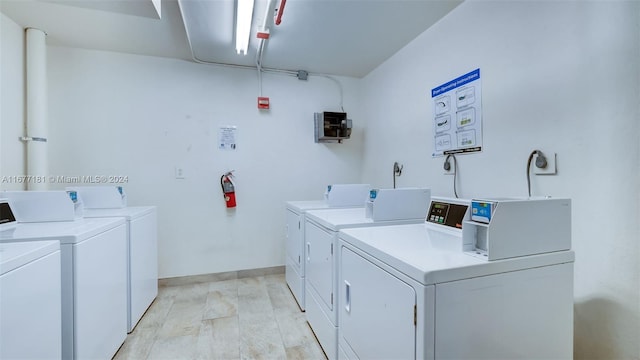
(227, 137)
(457, 115)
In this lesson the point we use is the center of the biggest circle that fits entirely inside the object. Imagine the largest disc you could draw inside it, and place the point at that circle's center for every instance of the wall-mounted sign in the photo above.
(457, 115)
(227, 137)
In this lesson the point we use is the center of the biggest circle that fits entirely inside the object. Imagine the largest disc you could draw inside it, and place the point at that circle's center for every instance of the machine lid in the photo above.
(67, 232)
(129, 212)
(436, 257)
(15, 255)
(337, 219)
(302, 206)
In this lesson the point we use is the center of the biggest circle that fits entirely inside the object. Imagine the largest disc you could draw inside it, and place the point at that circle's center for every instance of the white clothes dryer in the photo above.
(93, 282)
(142, 256)
(336, 196)
(30, 300)
(322, 259)
(294, 244)
(411, 292)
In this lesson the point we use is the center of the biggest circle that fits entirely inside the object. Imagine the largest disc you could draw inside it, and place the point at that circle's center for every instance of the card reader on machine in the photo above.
(507, 228)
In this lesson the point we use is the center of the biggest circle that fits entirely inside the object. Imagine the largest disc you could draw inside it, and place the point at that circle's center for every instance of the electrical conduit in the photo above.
(261, 44)
(36, 119)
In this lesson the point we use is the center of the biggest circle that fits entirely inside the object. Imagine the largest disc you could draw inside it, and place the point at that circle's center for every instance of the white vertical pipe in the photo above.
(36, 68)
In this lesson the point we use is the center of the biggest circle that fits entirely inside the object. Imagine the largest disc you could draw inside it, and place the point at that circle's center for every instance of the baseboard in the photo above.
(229, 275)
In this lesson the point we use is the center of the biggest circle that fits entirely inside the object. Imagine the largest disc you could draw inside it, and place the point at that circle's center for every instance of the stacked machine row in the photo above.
(78, 270)
(397, 273)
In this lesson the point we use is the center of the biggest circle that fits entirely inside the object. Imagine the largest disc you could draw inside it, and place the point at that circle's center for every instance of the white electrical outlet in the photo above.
(551, 168)
(179, 172)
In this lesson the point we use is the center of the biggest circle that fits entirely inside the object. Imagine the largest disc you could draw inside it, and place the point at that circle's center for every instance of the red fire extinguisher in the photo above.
(228, 189)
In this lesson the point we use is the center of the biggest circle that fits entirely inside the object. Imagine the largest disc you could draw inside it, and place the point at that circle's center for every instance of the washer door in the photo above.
(319, 262)
(376, 311)
(294, 241)
(100, 294)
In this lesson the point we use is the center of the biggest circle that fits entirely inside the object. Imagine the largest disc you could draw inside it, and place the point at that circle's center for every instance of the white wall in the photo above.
(559, 76)
(12, 104)
(117, 114)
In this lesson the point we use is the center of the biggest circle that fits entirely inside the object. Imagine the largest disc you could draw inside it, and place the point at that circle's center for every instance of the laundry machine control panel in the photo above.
(447, 214)
(7, 219)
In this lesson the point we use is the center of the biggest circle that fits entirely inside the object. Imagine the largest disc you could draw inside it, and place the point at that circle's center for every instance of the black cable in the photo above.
(533, 153)
(394, 178)
(455, 171)
(397, 171)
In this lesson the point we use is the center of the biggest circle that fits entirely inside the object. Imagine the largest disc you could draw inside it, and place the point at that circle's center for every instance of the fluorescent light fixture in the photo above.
(244, 13)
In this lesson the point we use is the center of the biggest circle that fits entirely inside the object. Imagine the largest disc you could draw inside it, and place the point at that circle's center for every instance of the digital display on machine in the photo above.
(6, 215)
(446, 214)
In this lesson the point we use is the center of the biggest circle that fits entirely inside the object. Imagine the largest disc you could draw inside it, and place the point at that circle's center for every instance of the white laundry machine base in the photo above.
(142, 266)
(322, 326)
(142, 256)
(94, 296)
(30, 306)
(295, 281)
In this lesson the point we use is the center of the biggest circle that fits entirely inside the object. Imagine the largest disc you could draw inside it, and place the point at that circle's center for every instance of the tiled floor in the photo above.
(249, 318)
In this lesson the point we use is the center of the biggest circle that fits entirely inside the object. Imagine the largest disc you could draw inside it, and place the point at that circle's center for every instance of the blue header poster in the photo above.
(457, 115)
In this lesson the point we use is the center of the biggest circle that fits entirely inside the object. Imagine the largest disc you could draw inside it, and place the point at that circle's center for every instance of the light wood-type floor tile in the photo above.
(219, 339)
(227, 319)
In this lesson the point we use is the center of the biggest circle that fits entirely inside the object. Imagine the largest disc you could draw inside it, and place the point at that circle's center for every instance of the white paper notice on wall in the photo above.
(227, 137)
(457, 115)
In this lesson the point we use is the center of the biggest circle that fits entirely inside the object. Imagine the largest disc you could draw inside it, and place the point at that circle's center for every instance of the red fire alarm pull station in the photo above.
(263, 103)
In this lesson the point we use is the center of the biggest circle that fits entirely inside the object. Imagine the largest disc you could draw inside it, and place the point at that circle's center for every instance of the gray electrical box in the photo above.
(331, 126)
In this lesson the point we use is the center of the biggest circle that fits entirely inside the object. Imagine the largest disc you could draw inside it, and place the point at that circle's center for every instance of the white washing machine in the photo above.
(93, 282)
(142, 243)
(336, 196)
(294, 242)
(414, 292)
(322, 259)
(142, 256)
(30, 303)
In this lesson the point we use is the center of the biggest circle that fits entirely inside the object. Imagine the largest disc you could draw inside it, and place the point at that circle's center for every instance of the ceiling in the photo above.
(338, 37)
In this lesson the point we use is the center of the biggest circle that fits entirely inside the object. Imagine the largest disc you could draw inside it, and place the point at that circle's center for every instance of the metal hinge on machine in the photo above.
(28, 138)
